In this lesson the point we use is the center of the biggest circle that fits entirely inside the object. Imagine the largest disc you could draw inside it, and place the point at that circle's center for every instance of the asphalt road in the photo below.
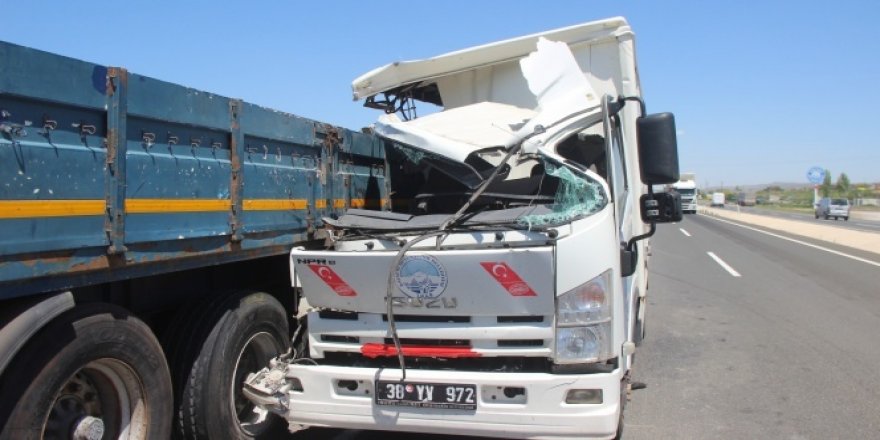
(788, 349)
(855, 224)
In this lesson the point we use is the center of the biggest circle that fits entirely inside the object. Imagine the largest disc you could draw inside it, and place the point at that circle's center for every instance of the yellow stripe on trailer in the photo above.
(17, 209)
(159, 206)
(274, 204)
(10, 209)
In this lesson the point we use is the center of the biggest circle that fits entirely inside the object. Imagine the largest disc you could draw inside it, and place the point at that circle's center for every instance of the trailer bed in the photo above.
(108, 175)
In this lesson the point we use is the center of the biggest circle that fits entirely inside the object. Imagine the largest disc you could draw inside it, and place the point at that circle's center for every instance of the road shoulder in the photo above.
(863, 241)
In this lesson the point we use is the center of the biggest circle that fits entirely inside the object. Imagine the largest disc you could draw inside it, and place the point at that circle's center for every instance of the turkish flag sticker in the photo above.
(326, 274)
(508, 278)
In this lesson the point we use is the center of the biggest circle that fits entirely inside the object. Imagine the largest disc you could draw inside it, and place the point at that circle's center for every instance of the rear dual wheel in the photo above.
(95, 372)
(213, 347)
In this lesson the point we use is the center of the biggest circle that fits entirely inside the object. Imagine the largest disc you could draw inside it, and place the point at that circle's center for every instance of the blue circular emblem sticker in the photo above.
(421, 276)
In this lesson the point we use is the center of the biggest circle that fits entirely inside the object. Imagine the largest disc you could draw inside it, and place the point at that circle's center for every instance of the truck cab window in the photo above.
(587, 150)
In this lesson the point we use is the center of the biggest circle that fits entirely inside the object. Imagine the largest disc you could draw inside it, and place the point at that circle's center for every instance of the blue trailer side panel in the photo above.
(106, 174)
(280, 151)
(52, 148)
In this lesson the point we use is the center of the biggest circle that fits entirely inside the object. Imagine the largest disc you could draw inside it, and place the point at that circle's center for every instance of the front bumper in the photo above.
(318, 399)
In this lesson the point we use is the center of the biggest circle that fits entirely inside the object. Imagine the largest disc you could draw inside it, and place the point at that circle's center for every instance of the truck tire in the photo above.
(639, 330)
(624, 397)
(93, 372)
(220, 342)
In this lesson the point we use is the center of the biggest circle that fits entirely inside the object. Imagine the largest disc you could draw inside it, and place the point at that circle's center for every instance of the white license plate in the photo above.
(426, 395)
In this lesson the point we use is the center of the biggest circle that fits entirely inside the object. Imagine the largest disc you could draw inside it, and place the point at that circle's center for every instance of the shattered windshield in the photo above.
(575, 197)
(530, 191)
(417, 161)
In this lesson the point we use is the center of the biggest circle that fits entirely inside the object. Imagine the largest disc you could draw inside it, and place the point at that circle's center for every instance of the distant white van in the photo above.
(836, 208)
(718, 199)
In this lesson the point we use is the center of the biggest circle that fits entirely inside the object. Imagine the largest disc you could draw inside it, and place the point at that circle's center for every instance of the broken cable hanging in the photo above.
(389, 303)
(450, 222)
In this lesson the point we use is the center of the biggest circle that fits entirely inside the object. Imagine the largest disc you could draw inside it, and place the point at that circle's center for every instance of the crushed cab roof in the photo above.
(458, 133)
(422, 74)
(551, 77)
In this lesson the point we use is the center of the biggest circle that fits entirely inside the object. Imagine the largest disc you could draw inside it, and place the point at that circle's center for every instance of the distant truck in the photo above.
(687, 188)
(745, 199)
(717, 200)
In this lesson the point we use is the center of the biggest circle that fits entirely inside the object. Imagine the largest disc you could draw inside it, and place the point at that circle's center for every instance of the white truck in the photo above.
(504, 294)
(687, 188)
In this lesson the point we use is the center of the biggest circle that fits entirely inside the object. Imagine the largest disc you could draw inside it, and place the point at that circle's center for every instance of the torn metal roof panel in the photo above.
(489, 72)
(553, 78)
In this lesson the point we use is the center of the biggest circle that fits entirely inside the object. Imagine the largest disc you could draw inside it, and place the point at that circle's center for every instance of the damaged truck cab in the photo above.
(501, 291)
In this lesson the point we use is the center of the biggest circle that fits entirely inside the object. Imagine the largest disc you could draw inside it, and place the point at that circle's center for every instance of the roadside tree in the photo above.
(825, 188)
(843, 185)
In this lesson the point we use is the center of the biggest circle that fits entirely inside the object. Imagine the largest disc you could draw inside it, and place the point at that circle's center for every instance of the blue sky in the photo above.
(762, 90)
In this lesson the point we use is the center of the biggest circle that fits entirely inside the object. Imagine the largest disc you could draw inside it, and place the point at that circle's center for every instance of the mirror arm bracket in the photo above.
(623, 99)
(631, 244)
(628, 253)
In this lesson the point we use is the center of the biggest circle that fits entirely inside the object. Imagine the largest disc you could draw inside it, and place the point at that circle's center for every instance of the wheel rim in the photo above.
(103, 399)
(255, 354)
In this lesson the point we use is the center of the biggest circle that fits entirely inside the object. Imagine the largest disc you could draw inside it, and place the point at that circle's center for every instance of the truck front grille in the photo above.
(496, 364)
(432, 342)
(521, 343)
(509, 343)
(508, 319)
(427, 318)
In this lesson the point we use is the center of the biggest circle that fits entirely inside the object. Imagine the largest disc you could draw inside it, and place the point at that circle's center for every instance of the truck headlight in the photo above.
(589, 303)
(583, 322)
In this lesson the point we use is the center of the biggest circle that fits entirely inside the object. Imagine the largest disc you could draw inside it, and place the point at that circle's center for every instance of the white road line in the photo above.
(814, 246)
(726, 266)
(686, 233)
(865, 225)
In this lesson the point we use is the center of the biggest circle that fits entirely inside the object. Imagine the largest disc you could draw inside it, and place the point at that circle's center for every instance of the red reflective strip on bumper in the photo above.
(386, 350)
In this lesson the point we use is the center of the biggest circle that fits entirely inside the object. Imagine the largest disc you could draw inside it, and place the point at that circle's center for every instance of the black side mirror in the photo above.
(658, 148)
(662, 207)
